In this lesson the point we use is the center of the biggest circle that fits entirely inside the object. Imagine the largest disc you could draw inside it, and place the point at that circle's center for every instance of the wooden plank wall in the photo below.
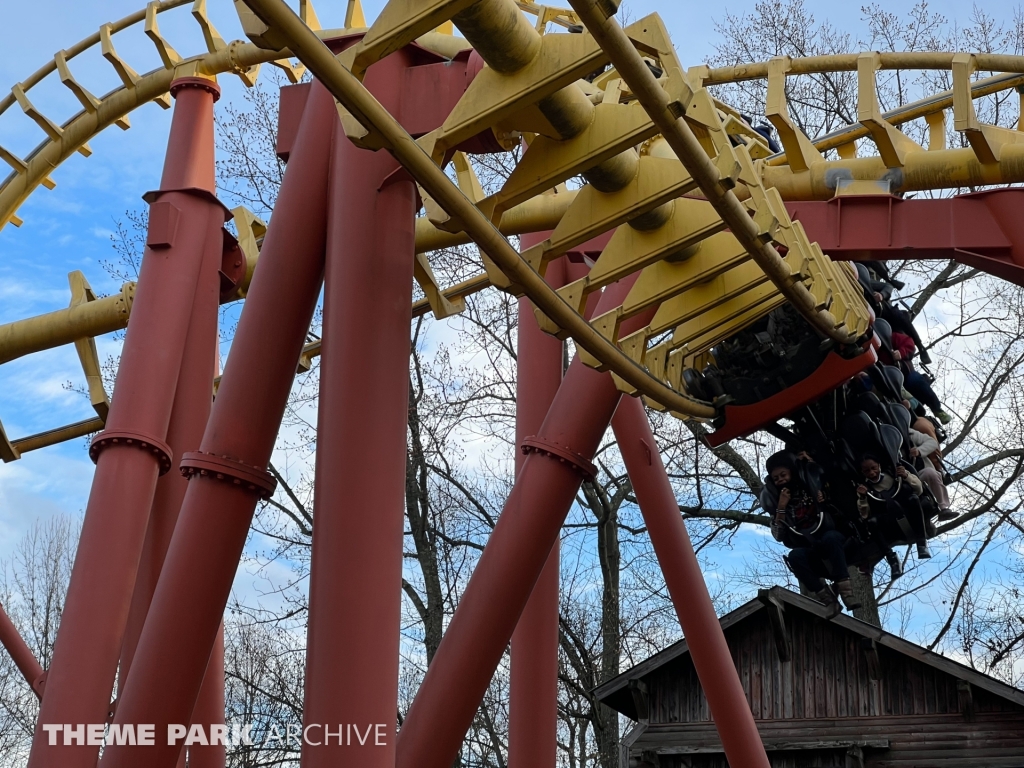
(937, 741)
(832, 760)
(825, 695)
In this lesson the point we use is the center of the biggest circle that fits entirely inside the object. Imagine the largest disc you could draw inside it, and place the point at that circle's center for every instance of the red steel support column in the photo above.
(355, 593)
(209, 709)
(512, 561)
(533, 691)
(193, 397)
(685, 582)
(228, 474)
(210, 706)
(184, 224)
(21, 654)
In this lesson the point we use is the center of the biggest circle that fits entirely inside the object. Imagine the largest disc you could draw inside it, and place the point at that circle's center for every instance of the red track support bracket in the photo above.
(111, 437)
(562, 453)
(982, 229)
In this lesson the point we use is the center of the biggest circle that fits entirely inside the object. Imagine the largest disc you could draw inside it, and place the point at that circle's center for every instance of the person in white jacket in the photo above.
(894, 502)
(923, 446)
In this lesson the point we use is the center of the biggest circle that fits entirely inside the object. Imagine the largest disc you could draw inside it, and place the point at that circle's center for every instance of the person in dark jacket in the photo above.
(801, 521)
(878, 287)
(903, 350)
(894, 501)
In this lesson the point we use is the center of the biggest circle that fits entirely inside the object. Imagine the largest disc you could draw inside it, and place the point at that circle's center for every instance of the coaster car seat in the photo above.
(887, 380)
(884, 332)
(893, 377)
(899, 417)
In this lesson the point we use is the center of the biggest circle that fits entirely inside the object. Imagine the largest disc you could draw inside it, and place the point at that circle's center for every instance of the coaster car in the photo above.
(771, 370)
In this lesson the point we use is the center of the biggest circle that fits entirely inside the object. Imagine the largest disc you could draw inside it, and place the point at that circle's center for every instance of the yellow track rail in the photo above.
(61, 140)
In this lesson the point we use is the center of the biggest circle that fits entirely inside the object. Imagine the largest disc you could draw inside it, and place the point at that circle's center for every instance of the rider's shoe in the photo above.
(895, 566)
(845, 588)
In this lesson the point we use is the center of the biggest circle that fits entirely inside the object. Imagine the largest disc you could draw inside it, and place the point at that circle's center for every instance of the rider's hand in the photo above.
(784, 498)
(901, 471)
(896, 355)
(821, 497)
(915, 452)
(862, 490)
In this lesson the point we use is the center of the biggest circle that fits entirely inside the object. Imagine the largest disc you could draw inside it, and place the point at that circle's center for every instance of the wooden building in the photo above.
(826, 692)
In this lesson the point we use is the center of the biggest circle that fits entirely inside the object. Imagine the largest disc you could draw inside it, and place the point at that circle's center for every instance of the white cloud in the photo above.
(39, 486)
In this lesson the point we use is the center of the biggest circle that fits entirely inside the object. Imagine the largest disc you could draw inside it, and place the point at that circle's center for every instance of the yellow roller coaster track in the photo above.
(693, 194)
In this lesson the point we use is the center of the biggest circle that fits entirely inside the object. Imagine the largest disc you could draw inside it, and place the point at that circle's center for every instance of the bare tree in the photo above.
(265, 673)
(33, 583)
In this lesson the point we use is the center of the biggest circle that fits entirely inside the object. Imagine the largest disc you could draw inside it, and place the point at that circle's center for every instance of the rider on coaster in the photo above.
(802, 522)
(895, 502)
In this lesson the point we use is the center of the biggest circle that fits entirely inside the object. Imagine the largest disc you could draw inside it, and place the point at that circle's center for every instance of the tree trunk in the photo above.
(417, 504)
(864, 593)
(606, 724)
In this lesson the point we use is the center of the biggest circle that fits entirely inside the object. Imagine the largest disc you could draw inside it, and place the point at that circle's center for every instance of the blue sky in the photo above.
(69, 228)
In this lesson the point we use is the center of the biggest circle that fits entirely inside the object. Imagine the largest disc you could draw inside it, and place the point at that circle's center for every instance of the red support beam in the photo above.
(193, 398)
(184, 241)
(21, 654)
(983, 229)
(533, 692)
(354, 627)
(708, 649)
(228, 473)
(515, 555)
(209, 710)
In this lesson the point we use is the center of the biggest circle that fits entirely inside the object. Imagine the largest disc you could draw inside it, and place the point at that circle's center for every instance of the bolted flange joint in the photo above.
(203, 83)
(562, 453)
(228, 470)
(111, 437)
